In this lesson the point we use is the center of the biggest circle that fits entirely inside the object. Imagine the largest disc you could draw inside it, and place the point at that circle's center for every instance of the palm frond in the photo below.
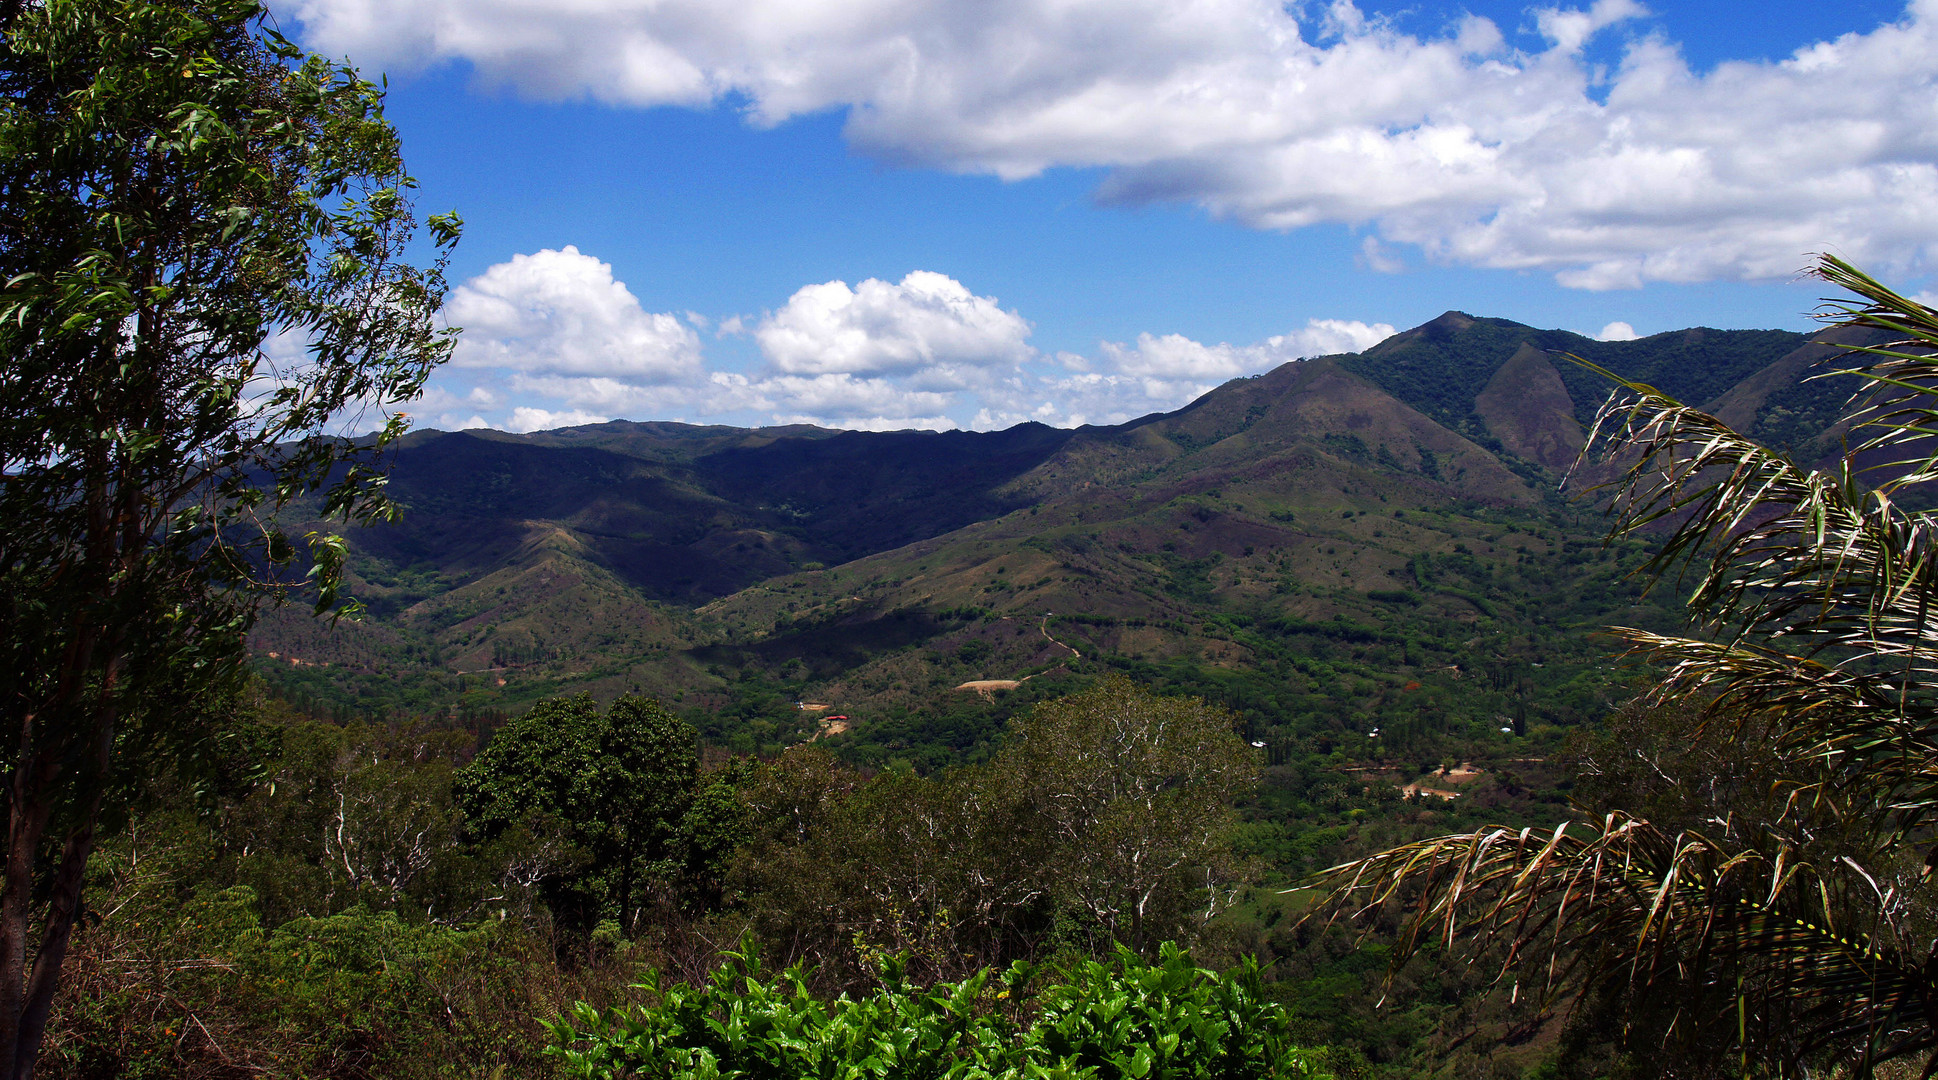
(1899, 414)
(1816, 585)
(1814, 589)
(1624, 902)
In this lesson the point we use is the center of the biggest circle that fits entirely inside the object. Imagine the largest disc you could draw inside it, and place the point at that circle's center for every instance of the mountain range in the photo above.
(1345, 536)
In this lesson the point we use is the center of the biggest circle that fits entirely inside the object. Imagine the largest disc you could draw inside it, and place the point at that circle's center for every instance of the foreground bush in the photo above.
(204, 991)
(1126, 1018)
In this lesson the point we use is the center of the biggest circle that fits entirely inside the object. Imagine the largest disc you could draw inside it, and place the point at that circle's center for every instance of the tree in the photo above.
(1105, 818)
(711, 831)
(348, 815)
(185, 200)
(1776, 916)
(1135, 794)
(616, 784)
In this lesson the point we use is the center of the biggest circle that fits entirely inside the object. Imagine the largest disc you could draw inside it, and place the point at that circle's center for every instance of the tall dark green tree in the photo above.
(617, 785)
(202, 287)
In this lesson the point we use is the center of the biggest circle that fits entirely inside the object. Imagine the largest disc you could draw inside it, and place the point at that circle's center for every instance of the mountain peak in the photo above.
(1449, 322)
(1449, 327)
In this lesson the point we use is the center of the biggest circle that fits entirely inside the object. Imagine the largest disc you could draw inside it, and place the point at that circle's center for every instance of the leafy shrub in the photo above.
(1123, 1019)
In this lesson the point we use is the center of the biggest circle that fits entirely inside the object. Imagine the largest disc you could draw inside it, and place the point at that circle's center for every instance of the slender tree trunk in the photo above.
(76, 721)
(30, 804)
(66, 905)
(27, 996)
(27, 820)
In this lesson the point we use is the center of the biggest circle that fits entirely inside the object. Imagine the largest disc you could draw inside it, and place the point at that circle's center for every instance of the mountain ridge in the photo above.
(1407, 491)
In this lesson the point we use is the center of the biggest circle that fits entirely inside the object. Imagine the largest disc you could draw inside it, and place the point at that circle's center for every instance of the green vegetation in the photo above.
(166, 986)
(1126, 1018)
(975, 734)
(1104, 818)
(608, 793)
(362, 898)
(1440, 368)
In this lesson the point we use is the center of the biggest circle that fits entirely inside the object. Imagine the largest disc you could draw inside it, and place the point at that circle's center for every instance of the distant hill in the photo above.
(1338, 542)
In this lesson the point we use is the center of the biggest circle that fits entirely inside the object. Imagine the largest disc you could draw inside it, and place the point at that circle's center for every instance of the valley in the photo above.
(1386, 574)
(1369, 541)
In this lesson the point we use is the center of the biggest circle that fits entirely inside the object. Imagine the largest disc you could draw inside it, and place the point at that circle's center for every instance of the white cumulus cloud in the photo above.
(553, 340)
(529, 418)
(1174, 356)
(928, 321)
(1570, 28)
(562, 313)
(1464, 144)
(1324, 337)
(1158, 373)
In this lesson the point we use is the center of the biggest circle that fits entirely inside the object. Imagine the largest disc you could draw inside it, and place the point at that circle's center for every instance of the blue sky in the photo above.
(1084, 210)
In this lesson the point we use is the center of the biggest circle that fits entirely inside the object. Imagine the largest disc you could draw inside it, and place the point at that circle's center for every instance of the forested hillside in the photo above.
(1476, 701)
(636, 694)
(1311, 541)
(852, 671)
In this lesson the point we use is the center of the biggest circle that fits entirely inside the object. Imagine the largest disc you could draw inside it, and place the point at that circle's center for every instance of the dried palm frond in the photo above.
(1815, 587)
(1623, 902)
